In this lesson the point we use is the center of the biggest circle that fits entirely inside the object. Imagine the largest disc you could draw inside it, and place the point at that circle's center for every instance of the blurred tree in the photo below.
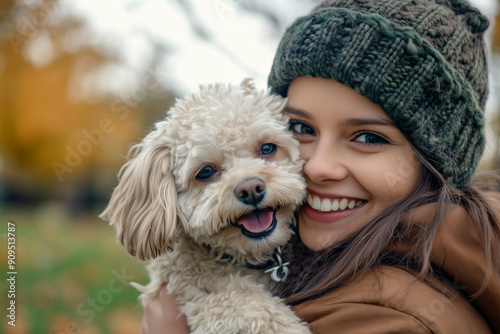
(60, 135)
(495, 68)
(496, 31)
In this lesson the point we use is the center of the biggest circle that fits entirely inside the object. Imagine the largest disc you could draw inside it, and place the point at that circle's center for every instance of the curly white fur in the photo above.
(164, 213)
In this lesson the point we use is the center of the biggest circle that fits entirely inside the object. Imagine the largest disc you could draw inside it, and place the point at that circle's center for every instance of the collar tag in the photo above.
(279, 272)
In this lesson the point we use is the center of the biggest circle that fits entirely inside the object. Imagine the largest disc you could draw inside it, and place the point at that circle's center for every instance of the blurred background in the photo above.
(82, 80)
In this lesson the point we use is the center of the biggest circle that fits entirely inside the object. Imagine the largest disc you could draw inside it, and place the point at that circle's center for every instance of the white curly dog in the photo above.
(209, 197)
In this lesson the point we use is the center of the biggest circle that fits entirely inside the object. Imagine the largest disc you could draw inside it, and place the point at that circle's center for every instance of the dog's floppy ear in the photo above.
(143, 207)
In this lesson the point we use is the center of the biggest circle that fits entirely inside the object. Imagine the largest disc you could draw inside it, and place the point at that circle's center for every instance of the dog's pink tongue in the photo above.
(257, 221)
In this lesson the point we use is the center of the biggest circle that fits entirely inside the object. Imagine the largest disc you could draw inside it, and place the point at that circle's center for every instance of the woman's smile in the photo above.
(332, 204)
(330, 209)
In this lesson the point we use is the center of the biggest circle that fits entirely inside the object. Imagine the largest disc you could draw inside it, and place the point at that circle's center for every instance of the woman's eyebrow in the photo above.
(297, 112)
(348, 122)
(368, 121)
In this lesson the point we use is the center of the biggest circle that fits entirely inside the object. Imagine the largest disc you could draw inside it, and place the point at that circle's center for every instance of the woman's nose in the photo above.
(325, 165)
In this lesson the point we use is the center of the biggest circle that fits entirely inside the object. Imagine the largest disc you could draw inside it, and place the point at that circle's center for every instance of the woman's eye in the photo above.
(370, 138)
(206, 173)
(301, 128)
(267, 149)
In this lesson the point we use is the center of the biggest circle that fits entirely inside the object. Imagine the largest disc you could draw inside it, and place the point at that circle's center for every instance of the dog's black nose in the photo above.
(250, 191)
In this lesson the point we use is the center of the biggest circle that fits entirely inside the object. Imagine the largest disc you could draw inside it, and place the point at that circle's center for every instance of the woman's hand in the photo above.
(162, 315)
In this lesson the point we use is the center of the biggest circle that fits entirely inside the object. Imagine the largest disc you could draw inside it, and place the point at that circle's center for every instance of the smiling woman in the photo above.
(350, 146)
(388, 108)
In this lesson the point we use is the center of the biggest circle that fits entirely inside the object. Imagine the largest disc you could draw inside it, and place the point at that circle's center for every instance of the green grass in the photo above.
(72, 277)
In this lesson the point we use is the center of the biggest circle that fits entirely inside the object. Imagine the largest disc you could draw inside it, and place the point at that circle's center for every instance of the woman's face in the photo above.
(357, 162)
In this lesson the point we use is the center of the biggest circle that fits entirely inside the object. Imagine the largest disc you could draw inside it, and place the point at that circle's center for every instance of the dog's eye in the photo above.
(206, 173)
(267, 149)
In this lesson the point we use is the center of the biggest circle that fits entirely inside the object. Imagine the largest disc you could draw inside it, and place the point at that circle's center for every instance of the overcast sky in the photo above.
(202, 41)
(188, 42)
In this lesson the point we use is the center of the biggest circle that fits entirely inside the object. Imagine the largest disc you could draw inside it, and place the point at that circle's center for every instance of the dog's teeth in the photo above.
(343, 203)
(351, 204)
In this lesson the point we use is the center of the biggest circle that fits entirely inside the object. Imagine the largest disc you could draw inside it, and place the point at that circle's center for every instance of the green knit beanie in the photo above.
(422, 61)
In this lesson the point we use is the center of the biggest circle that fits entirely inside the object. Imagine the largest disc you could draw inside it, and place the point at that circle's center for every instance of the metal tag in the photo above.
(278, 274)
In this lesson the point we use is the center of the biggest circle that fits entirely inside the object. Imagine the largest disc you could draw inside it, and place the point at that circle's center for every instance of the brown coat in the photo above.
(390, 300)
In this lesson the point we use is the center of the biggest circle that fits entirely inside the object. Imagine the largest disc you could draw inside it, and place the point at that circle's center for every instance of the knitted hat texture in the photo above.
(422, 61)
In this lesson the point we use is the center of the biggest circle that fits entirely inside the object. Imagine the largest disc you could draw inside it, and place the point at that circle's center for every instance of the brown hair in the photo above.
(313, 274)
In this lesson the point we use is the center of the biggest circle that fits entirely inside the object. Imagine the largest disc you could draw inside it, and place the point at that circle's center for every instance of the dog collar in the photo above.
(277, 269)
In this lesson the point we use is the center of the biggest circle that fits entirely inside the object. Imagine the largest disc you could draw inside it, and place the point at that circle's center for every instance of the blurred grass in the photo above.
(72, 277)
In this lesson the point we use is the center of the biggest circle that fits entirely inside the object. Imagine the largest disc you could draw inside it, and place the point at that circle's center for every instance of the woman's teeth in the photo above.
(328, 204)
